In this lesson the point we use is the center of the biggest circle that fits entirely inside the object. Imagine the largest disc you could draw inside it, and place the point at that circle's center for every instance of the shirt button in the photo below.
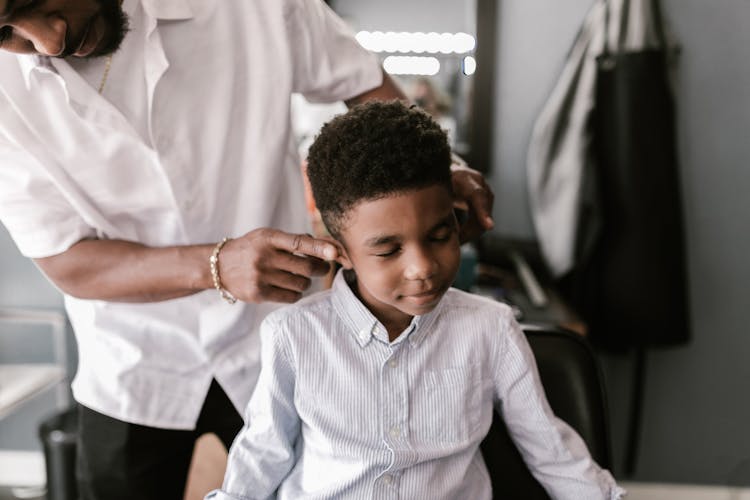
(393, 363)
(395, 432)
(387, 479)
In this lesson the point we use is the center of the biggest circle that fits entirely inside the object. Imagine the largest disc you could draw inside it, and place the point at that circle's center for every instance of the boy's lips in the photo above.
(425, 297)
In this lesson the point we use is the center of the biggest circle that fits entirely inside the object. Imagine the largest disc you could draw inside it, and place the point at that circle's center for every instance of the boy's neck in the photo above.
(394, 332)
(393, 327)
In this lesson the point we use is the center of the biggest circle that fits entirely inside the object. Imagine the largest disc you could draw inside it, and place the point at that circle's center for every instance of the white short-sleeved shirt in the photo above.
(200, 149)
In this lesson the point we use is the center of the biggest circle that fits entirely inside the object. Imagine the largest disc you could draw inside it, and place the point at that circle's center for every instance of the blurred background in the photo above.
(485, 69)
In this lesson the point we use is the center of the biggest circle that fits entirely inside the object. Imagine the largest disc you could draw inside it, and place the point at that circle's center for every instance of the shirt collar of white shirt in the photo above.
(366, 327)
(161, 10)
(168, 10)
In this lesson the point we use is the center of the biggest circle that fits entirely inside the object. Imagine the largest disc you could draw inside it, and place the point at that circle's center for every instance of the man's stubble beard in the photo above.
(117, 26)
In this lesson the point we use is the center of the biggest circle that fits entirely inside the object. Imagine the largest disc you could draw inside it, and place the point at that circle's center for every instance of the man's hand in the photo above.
(271, 265)
(473, 195)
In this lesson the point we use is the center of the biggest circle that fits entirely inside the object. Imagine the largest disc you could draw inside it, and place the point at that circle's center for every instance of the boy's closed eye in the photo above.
(440, 234)
(444, 232)
(389, 252)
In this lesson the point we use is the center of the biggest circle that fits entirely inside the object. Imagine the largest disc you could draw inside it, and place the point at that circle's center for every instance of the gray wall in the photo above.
(21, 283)
(21, 286)
(696, 409)
(408, 15)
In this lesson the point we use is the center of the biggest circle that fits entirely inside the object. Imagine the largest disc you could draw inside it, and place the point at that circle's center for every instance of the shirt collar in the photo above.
(30, 62)
(365, 326)
(168, 10)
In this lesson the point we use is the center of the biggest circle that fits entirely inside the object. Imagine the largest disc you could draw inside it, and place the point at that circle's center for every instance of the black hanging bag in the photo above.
(630, 284)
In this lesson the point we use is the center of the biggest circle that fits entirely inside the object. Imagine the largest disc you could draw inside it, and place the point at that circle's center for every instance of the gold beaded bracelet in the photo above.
(213, 262)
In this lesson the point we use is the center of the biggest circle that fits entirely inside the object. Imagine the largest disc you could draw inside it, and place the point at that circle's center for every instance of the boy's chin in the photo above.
(417, 305)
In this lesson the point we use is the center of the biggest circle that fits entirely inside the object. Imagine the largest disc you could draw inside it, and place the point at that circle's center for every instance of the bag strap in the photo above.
(656, 17)
(623, 26)
(624, 23)
(605, 52)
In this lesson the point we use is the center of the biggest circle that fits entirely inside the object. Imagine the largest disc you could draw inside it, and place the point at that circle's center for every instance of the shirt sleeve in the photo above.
(555, 454)
(263, 452)
(37, 215)
(328, 63)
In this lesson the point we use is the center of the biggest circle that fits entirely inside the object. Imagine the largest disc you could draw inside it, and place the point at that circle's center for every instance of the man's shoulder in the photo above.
(8, 58)
(10, 67)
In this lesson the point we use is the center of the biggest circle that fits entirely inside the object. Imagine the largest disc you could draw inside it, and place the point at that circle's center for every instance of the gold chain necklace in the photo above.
(107, 65)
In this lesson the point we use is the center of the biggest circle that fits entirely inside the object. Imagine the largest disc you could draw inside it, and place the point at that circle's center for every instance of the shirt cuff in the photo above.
(221, 495)
(617, 493)
(41, 243)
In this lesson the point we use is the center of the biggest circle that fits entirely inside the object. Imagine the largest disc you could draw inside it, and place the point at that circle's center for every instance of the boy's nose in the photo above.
(422, 265)
(46, 32)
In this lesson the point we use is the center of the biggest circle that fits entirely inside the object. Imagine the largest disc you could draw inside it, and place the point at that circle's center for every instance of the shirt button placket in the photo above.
(395, 409)
(386, 487)
(394, 397)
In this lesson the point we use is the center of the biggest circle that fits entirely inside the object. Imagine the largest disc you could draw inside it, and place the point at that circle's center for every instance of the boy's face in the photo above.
(404, 249)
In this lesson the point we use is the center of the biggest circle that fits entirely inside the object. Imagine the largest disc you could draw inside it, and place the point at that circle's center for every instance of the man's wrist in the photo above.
(195, 258)
(213, 266)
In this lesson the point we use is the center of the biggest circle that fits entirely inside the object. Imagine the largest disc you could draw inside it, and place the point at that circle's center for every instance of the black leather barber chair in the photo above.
(573, 383)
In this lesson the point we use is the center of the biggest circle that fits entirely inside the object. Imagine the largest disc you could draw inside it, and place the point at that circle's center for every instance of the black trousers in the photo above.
(118, 460)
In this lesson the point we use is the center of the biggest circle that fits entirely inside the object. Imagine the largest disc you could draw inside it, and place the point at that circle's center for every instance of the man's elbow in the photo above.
(65, 273)
(387, 91)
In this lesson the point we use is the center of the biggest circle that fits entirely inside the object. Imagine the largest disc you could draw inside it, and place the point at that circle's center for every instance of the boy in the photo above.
(384, 386)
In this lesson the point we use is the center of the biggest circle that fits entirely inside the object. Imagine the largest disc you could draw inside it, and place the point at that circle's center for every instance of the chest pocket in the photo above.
(450, 405)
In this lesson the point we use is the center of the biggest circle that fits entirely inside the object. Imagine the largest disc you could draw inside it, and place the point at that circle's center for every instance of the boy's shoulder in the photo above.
(465, 303)
(309, 309)
(481, 322)
(306, 305)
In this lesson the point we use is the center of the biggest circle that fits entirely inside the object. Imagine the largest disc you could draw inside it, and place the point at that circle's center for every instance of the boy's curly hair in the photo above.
(373, 150)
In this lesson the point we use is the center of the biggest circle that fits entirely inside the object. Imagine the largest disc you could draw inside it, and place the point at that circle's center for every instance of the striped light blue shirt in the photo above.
(341, 412)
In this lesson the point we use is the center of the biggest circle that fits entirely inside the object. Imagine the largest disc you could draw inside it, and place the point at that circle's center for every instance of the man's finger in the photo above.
(304, 244)
(274, 294)
(299, 265)
(481, 201)
(470, 187)
(470, 229)
(286, 281)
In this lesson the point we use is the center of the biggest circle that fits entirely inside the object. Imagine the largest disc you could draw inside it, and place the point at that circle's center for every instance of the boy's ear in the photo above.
(343, 257)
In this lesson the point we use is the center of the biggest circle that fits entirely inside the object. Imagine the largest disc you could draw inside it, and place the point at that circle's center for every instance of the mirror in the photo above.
(428, 47)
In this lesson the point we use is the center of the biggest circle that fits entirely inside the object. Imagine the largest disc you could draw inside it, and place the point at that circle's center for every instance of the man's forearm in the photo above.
(123, 271)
